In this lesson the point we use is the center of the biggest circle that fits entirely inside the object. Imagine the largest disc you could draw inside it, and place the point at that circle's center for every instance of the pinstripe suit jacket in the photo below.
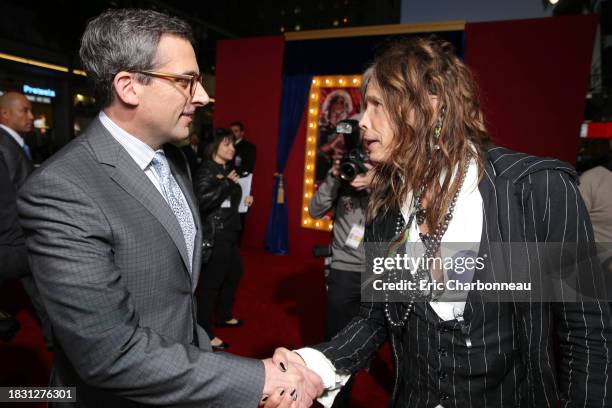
(511, 361)
(110, 260)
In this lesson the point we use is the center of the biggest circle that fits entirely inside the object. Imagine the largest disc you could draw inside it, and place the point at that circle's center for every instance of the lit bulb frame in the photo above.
(312, 132)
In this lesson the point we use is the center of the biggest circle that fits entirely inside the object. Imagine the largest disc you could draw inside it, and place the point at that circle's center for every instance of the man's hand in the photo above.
(292, 385)
(248, 201)
(363, 181)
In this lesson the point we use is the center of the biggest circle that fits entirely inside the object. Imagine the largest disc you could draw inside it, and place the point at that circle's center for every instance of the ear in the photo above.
(127, 88)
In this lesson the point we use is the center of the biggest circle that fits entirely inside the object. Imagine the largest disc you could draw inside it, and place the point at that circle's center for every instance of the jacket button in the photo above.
(442, 376)
(443, 352)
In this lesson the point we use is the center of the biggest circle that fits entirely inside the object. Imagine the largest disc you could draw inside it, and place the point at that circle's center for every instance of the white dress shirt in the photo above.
(138, 150)
(465, 227)
(142, 154)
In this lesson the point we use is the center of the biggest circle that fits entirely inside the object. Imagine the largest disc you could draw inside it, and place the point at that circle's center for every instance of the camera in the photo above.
(353, 162)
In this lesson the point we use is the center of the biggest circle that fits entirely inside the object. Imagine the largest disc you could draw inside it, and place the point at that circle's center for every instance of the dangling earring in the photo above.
(438, 127)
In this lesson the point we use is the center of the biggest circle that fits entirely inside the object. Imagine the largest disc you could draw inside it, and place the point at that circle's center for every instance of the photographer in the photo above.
(349, 200)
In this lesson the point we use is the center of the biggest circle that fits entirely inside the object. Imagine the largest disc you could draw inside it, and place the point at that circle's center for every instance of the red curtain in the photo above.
(534, 76)
(248, 89)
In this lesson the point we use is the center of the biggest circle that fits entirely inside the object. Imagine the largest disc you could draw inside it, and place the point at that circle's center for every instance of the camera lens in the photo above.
(348, 171)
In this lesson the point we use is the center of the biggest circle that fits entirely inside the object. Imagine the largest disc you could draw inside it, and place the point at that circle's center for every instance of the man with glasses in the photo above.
(114, 234)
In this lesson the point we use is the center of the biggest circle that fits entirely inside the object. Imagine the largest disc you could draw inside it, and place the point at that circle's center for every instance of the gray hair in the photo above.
(124, 40)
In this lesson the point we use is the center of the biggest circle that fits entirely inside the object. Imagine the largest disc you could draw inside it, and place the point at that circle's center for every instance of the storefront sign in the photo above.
(27, 89)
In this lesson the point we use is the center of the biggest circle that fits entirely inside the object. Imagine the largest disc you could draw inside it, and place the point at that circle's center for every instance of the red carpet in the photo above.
(24, 361)
(281, 300)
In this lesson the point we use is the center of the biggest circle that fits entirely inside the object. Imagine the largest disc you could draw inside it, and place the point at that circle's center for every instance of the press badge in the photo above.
(226, 204)
(355, 236)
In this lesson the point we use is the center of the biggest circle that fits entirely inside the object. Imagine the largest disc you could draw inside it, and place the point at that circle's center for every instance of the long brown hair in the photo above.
(408, 73)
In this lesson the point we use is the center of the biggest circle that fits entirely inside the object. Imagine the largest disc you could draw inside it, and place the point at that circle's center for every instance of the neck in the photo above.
(219, 160)
(127, 120)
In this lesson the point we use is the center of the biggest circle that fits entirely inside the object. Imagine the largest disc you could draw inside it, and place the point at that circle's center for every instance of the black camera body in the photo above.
(353, 161)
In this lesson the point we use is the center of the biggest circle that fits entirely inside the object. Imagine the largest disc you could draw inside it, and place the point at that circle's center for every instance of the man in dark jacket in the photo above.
(432, 154)
(16, 119)
(246, 152)
(193, 152)
(13, 255)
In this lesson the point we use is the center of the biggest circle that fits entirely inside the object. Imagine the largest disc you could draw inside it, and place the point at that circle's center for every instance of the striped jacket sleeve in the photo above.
(559, 215)
(354, 346)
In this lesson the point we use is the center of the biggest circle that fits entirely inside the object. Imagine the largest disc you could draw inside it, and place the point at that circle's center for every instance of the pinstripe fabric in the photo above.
(109, 257)
(510, 363)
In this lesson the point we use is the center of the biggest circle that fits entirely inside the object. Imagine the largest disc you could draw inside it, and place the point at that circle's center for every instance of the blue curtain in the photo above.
(293, 101)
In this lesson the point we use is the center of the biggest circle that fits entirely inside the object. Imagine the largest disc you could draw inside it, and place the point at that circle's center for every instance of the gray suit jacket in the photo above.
(110, 260)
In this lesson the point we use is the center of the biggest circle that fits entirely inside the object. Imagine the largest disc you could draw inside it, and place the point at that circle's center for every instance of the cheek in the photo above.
(387, 139)
(166, 106)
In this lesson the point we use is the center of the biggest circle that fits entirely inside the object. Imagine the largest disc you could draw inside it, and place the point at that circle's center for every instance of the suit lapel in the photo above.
(22, 155)
(492, 235)
(126, 173)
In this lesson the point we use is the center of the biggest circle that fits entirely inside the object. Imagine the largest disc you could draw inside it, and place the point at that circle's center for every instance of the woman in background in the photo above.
(219, 194)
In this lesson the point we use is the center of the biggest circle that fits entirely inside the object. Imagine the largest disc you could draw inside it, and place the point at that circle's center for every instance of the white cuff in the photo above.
(332, 380)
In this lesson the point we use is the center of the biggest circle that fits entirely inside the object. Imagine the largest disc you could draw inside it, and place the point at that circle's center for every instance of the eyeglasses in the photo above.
(185, 81)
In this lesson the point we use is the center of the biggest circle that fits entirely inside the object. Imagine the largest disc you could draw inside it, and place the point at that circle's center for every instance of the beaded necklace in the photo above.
(431, 242)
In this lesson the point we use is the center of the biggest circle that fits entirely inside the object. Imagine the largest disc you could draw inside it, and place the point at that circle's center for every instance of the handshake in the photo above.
(289, 383)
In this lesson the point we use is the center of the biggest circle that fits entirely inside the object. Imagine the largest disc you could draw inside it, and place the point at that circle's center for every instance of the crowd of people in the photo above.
(129, 246)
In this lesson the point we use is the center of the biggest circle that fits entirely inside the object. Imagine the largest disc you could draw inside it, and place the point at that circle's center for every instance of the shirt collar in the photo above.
(14, 135)
(470, 185)
(138, 150)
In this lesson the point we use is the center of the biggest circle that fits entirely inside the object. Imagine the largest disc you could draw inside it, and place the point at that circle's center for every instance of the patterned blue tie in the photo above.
(175, 198)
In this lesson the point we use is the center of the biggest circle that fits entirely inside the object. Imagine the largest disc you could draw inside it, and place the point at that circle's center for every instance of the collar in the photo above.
(470, 185)
(14, 135)
(141, 152)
